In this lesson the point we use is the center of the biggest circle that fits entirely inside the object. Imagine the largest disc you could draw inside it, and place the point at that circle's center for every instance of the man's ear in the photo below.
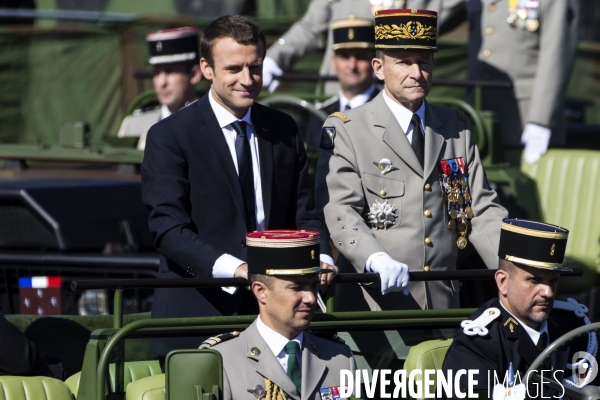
(206, 69)
(260, 291)
(377, 64)
(196, 75)
(502, 278)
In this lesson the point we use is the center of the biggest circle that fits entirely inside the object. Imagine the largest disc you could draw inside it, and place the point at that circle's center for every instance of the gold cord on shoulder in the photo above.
(273, 392)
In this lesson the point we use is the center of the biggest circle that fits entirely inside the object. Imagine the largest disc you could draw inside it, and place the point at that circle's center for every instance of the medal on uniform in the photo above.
(385, 166)
(381, 215)
(457, 198)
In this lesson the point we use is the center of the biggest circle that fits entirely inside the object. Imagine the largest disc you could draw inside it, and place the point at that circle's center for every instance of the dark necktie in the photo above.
(246, 175)
(293, 368)
(543, 342)
(347, 107)
(418, 140)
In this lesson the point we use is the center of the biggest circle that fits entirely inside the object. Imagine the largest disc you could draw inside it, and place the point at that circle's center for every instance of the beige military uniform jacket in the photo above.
(248, 360)
(539, 64)
(138, 124)
(348, 183)
(312, 32)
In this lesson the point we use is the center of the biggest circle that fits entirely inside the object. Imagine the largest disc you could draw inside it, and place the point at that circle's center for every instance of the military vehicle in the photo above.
(68, 202)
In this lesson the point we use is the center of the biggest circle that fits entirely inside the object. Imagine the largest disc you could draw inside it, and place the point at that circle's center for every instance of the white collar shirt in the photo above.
(277, 342)
(533, 334)
(226, 265)
(404, 116)
(357, 100)
(164, 111)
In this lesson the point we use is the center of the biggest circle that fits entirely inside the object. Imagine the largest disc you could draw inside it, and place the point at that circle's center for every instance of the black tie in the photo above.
(542, 342)
(418, 140)
(246, 175)
(347, 107)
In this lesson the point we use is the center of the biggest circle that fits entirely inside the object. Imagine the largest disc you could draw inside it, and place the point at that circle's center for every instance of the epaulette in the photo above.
(478, 326)
(144, 110)
(580, 310)
(343, 117)
(328, 335)
(461, 115)
(215, 340)
(327, 102)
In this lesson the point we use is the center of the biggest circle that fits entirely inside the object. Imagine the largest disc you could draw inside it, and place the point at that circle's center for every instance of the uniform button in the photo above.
(489, 31)
(427, 186)
(427, 213)
(492, 7)
(487, 53)
(382, 192)
(426, 268)
(427, 241)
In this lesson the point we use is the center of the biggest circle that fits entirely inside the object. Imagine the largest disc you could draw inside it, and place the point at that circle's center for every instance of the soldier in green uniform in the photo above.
(276, 357)
(400, 182)
(174, 57)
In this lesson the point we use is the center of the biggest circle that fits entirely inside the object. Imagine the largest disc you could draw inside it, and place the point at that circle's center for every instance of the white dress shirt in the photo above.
(357, 100)
(164, 112)
(277, 342)
(226, 265)
(403, 116)
(533, 334)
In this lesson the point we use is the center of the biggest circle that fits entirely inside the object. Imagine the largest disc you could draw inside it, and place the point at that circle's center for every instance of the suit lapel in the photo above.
(313, 368)
(268, 365)
(213, 134)
(434, 141)
(265, 154)
(393, 135)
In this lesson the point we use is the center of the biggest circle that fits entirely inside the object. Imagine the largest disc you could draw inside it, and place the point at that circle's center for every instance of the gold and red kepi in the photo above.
(174, 45)
(283, 252)
(406, 29)
(534, 244)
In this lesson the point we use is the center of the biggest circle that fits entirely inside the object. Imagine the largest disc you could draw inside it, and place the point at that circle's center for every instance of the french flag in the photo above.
(40, 282)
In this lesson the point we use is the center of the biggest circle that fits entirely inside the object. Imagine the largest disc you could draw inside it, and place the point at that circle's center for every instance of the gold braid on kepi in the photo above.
(273, 392)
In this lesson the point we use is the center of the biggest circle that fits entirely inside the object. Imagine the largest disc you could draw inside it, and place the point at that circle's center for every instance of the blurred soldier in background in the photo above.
(174, 56)
(353, 50)
(533, 45)
(309, 34)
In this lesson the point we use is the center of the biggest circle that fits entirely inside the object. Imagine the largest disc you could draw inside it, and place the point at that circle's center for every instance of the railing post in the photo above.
(118, 309)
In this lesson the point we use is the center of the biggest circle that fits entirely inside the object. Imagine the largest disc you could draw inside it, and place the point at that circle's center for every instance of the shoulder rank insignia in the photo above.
(215, 340)
(327, 137)
(328, 335)
(478, 326)
(343, 117)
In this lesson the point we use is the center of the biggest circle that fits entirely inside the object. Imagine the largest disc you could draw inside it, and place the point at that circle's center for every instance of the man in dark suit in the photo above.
(217, 169)
(508, 333)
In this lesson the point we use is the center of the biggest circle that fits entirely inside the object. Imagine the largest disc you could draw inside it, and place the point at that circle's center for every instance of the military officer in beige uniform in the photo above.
(174, 57)
(400, 182)
(533, 45)
(275, 357)
(313, 32)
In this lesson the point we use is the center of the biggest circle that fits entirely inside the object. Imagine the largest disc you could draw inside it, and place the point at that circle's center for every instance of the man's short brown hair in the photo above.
(266, 279)
(242, 30)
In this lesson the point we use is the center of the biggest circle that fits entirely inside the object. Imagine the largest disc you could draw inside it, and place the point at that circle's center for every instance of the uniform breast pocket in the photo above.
(384, 197)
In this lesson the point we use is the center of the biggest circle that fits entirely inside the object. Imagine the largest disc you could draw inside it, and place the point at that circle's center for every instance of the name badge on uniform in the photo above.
(331, 393)
(457, 197)
(327, 137)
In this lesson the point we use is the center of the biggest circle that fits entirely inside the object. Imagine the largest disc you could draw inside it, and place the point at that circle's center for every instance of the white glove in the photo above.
(393, 274)
(270, 68)
(535, 138)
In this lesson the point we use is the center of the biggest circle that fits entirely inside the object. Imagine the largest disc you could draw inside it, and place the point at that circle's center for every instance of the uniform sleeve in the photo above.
(340, 198)
(488, 213)
(166, 193)
(18, 355)
(305, 36)
(557, 49)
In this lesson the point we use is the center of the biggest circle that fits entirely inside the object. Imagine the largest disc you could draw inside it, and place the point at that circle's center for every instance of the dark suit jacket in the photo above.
(507, 342)
(18, 355)
(191, 187)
